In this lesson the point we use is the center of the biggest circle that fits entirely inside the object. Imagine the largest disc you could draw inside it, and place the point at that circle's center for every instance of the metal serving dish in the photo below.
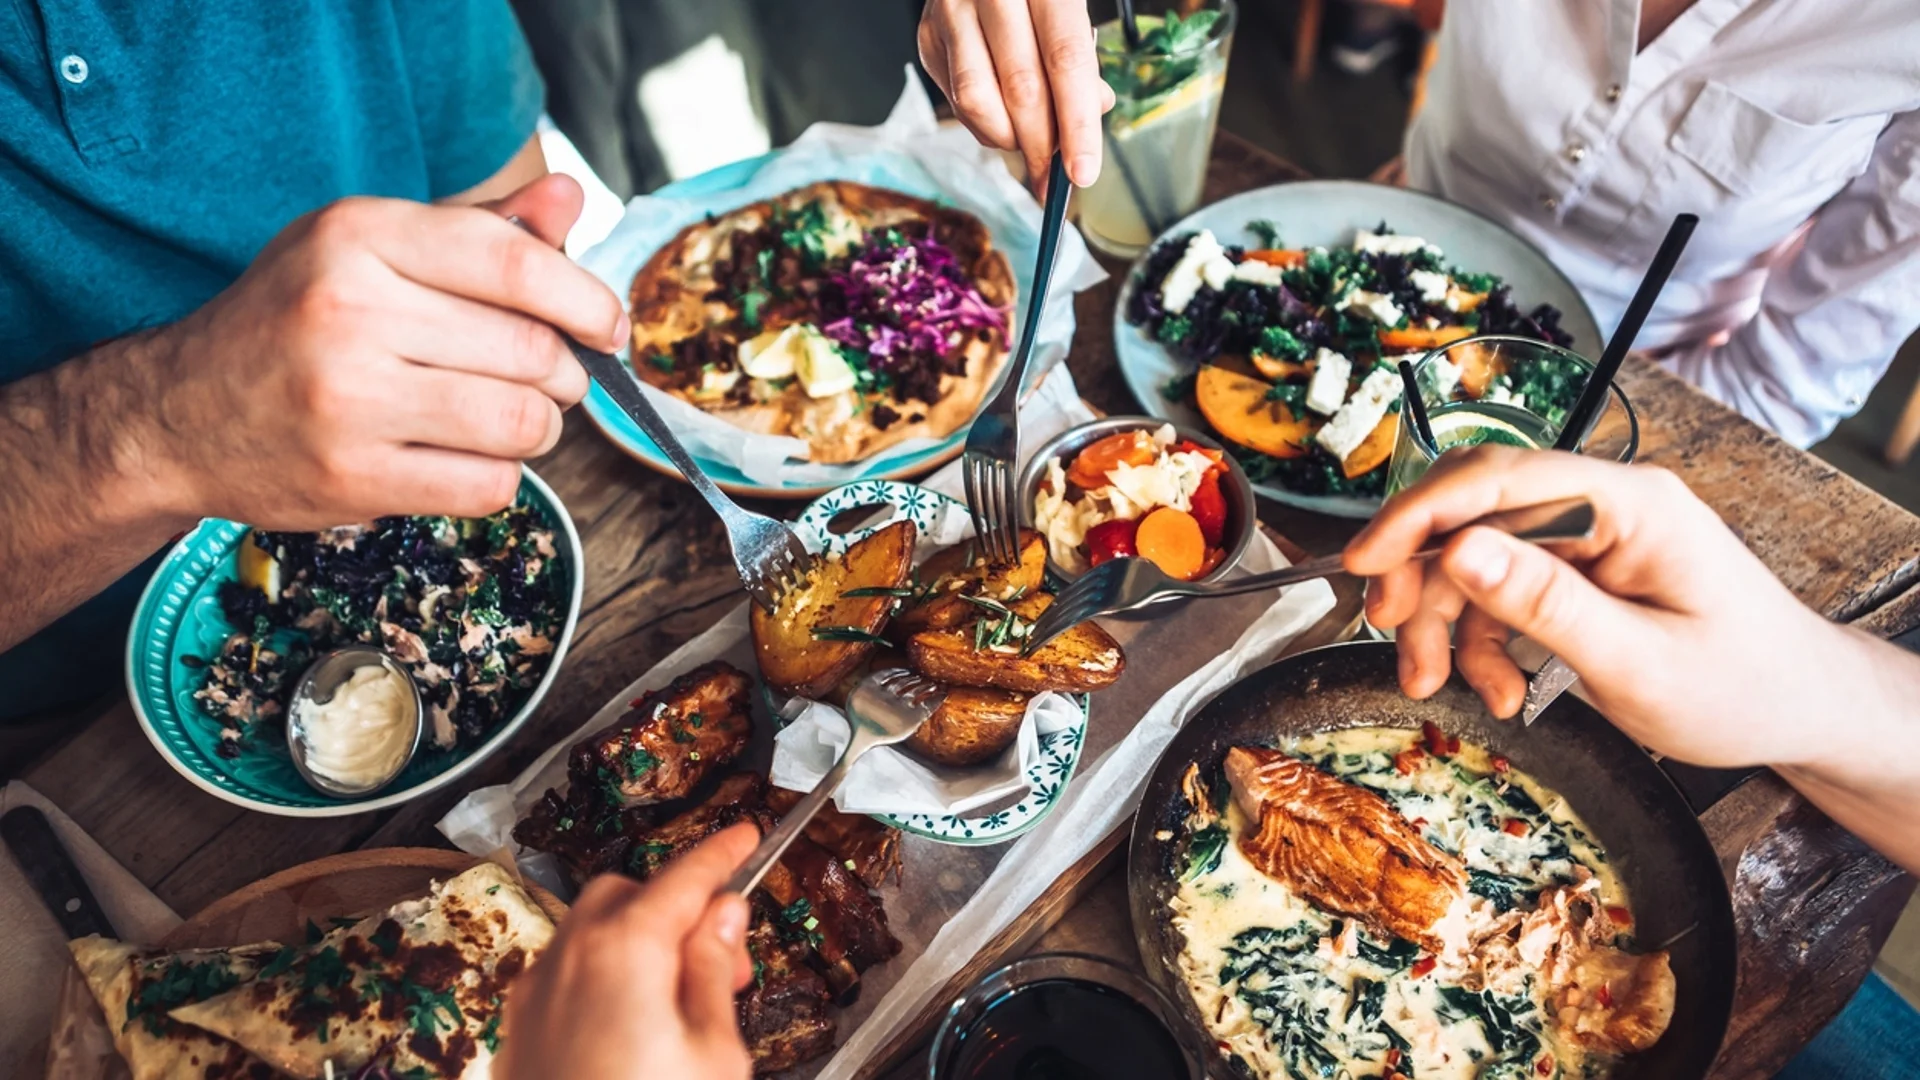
(1650, 829)
(1242, 514)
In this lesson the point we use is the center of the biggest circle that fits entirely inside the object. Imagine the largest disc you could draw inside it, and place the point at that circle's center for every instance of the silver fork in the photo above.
(766, 554)
(993, 444)
(1127, 584)
(768, 557)
(886, 707)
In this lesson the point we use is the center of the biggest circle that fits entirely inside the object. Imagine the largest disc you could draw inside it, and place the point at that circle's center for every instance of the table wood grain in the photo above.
(1812, 903)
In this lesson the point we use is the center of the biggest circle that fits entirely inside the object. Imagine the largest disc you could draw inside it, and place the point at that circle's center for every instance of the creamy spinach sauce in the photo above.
(1294, 991)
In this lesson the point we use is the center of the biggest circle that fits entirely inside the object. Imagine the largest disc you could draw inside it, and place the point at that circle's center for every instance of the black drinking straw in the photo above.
(1416, 406)
(1593, 397)
(1128, 26)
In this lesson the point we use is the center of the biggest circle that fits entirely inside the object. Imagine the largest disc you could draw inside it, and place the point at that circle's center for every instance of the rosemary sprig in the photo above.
(846, 633)
(904, 591)
(987, 604)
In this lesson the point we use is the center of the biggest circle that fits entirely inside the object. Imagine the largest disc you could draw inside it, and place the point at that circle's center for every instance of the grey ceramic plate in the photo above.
(1326, 213)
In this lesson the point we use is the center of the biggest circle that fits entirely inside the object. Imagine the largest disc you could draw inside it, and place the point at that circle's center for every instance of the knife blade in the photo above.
(53, 873)
(1554, 678)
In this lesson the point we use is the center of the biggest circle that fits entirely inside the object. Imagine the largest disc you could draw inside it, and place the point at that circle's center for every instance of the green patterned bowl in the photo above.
(179, 615)
(1059, 750)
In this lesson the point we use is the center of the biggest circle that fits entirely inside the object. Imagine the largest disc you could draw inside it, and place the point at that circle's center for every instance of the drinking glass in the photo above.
(1526, 408)
(1159, 134)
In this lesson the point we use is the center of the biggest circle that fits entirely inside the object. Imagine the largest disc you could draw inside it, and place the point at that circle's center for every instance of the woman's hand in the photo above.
(1681, 636)
(1017, 70)
(639, 981)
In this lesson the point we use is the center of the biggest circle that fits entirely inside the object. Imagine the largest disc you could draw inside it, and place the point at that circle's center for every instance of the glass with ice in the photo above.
(1160, 132)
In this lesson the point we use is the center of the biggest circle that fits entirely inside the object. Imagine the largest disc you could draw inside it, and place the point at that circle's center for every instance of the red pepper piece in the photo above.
(1424, 965)
(1513, 826)
(1111, 540)
(1210, 509)
(1407, 760)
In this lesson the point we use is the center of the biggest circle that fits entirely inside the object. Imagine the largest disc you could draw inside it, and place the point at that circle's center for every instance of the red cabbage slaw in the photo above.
(907, 298)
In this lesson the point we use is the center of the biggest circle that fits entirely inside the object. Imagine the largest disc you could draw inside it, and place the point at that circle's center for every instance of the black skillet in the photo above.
(1642, 819)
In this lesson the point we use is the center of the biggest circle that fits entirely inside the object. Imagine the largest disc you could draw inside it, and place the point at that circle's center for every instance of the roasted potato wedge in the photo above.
(1084, 659)
(971, 727)
(962, 570)
(793, 658)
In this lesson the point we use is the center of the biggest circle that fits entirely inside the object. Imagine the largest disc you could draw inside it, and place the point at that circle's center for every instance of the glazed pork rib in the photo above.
(1344, 848)
(670, 739)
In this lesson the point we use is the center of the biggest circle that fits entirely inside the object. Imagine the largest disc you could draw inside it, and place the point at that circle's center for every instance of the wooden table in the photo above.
(1813, 905)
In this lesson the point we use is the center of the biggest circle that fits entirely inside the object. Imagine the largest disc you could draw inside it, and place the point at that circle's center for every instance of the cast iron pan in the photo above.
(1649, 830)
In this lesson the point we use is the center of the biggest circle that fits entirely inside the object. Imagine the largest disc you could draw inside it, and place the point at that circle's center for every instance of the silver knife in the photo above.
(1546, 685)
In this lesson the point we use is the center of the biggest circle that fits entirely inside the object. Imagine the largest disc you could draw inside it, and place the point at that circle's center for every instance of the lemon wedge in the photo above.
(259, 570)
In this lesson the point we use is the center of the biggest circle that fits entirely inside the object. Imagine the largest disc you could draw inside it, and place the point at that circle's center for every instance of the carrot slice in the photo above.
(1090, 468)
(1281, 257)
(1172, 541)
(1412, 338)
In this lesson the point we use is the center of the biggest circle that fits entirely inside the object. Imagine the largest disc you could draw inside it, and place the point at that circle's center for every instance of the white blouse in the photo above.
(1792, 127)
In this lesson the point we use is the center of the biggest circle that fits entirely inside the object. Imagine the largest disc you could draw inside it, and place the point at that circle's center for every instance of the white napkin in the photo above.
(889, 781)
(909, 152)
(33, 948)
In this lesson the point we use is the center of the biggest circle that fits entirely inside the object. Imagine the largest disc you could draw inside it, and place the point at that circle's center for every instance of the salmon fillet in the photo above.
(1343, 847)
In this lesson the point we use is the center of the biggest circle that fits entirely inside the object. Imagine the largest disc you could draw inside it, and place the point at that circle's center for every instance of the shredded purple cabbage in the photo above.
(899, 300)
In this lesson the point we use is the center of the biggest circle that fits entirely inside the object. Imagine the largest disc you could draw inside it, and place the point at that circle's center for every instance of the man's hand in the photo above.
(639, 981)
(1681, 636)
(1017, 70)
(378, 357)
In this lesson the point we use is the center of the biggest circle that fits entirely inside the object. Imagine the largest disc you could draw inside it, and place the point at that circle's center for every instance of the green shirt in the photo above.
(149, 149)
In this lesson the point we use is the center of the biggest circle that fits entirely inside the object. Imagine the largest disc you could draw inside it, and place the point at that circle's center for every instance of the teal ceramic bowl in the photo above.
(179, 616)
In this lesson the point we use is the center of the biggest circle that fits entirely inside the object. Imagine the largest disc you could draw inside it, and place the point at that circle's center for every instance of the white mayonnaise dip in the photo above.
(363, 734)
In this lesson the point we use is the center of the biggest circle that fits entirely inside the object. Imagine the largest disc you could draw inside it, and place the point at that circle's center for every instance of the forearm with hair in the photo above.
(83, 498)
(1863, 764)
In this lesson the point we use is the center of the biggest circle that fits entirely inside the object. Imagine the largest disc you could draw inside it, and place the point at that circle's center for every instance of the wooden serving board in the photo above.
(275, 908)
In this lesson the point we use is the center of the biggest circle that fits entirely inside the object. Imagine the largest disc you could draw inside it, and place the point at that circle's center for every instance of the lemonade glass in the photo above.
(1159, 133)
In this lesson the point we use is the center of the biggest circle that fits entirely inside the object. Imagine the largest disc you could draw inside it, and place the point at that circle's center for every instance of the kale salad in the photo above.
(473, 607)
(1295, 350)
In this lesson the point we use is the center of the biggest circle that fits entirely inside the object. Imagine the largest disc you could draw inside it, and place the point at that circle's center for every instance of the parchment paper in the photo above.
(951, 900)
(910, 152)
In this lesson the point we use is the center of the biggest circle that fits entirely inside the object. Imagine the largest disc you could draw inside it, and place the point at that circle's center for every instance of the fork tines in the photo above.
(915, 689)
(1075, 604)
(992, 502)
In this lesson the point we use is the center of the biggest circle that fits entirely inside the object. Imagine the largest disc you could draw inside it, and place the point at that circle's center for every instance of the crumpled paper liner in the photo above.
(909, 152)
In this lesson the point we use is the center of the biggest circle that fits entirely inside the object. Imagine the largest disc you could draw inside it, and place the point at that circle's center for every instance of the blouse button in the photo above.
(1550, 203)
(73, 69)
(1576, 152)
(1613, 93)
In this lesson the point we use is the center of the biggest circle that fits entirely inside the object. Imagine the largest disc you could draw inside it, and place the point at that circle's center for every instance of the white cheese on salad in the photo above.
(1378, 306)
(1388, 243)
(1328, 389)
(1431, 283)
(1257, 272)
(1204, 262)
(1355, 420)
(1502, 394)
(1446, 376)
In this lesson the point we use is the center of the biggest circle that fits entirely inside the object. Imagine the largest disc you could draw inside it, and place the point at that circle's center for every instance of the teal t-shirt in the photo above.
(148, 150)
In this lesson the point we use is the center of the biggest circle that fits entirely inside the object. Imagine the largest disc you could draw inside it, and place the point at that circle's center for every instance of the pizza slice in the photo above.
(419, 987)
(136, 988)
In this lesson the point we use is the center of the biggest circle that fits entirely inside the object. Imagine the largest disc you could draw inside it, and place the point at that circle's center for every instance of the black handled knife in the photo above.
(29, 835)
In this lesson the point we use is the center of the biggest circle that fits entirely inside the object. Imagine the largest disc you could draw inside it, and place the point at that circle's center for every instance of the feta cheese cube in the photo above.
(1388, 243)
(1432, 285)
(1501, 393)
(1257, 272)
(1328, 390)
(1201, 264)
(1358, 417)
(1378, 306)
(1446, 376)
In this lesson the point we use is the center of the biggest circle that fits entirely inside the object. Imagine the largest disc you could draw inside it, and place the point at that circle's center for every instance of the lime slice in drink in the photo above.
(1198, 92)
(1467, 427)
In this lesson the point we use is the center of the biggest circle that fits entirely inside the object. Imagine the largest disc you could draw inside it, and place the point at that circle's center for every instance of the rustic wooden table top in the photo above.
(1812, 903)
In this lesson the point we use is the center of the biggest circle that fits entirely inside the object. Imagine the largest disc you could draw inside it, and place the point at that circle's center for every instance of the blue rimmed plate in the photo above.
(1326, 213)
(179, 617)
(1059, 754)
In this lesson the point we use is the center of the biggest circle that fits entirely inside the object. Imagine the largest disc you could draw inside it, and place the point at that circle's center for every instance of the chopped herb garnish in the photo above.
(847, 633)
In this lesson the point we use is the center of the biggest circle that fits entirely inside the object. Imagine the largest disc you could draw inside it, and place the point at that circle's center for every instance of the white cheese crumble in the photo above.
(1378, 306)
(1388, 243)
(1446, 376)
(1502, 394)
(1257, 272)
(1328, 390)
(1432, 285)
(1204, 262)
(1351, 425)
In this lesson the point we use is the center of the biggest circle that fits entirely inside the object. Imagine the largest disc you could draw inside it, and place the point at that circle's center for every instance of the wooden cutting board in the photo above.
(275, 908)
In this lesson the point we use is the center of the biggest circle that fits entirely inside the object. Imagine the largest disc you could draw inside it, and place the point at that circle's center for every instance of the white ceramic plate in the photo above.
(1326, 213)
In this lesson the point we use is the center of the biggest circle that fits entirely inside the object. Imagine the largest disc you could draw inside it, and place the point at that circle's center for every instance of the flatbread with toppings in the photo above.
(136, 988)
(419, 987)
(848, 316)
